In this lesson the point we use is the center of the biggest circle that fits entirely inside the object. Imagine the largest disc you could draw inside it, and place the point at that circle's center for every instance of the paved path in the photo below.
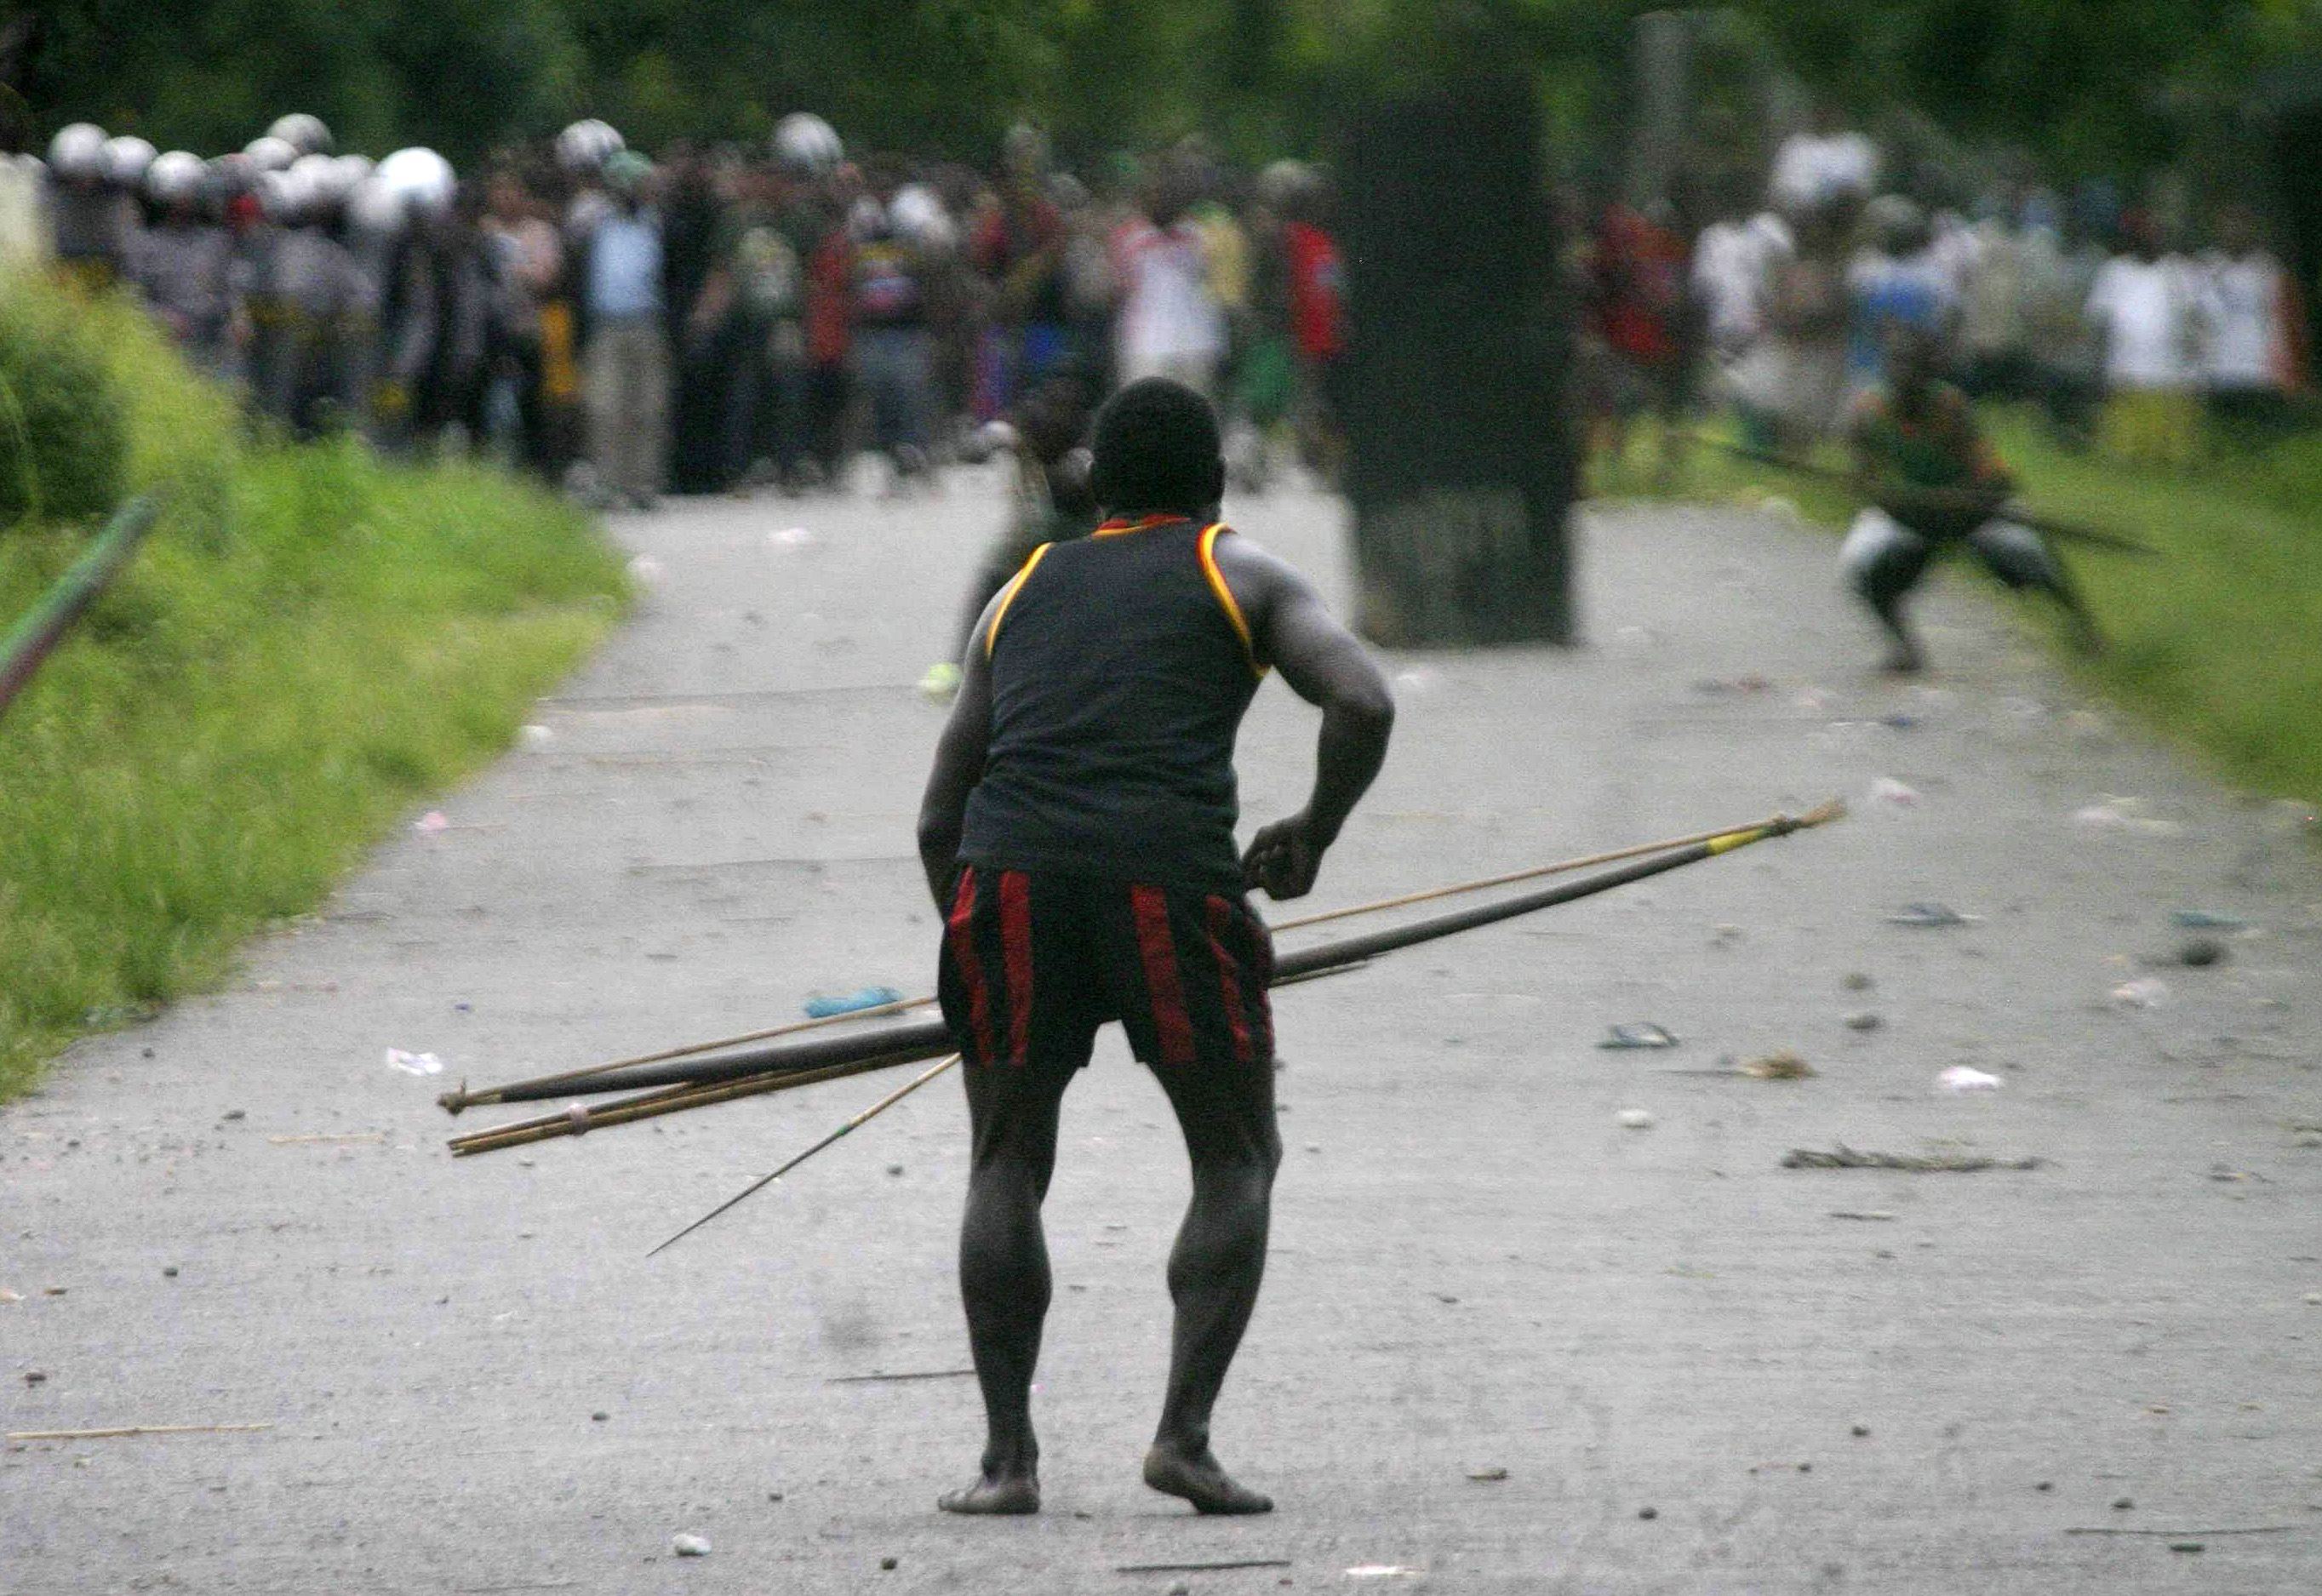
(1477, 1269)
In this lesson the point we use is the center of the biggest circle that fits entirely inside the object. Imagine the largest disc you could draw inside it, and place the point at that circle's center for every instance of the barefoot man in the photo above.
(1078, 835)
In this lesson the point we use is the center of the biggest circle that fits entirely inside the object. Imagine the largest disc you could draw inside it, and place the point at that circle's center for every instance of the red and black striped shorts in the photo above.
(1034, 961)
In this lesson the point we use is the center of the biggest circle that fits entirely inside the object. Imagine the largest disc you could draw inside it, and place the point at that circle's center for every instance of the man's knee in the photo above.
(1880, 556)
(2015, 554)
(1242, 1171)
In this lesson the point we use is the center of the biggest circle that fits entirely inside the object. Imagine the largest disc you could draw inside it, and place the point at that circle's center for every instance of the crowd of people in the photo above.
(724, 318)
(1776, 294)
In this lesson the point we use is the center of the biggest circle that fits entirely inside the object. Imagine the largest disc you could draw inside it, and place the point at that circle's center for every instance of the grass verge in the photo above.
(2215, 644)
(312, 639)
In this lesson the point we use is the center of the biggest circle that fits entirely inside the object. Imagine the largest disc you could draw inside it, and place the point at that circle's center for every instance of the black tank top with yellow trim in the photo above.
(1120, 669)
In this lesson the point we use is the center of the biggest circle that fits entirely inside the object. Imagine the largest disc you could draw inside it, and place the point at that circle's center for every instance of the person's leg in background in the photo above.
(1882, 561)
(652, 376)
(601, 399)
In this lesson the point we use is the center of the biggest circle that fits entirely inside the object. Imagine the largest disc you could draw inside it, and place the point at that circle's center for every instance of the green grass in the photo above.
(311, 640)
(2218, 645)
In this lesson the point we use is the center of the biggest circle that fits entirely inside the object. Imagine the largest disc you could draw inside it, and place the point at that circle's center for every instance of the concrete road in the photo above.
(1699, 1371)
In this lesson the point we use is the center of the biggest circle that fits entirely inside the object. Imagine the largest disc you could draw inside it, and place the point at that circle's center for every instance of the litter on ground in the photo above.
(1643, 1033)
(1843, 1157)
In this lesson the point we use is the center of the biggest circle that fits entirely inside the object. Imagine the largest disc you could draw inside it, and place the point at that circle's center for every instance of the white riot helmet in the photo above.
(375, 208)
(354, 171)
(270, 154)
(285, 196)
(127, 158)
(420, 180)
(627, 171)
(230, 175)
(1025, 150)
(585, 146)
(326, 183)
(918, 214)
(305, 133)
(1284, 181)
(176, 178)
(78, 152)
(807, 145)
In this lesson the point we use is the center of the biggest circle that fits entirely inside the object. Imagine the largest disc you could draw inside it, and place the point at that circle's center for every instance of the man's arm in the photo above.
(1326, 665)
(959, 764)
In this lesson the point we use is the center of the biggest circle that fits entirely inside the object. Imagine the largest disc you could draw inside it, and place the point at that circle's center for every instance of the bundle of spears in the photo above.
(679, 1079)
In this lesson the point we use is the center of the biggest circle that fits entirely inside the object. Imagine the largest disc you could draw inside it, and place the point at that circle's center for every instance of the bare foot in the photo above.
(1006, 1493)
(1201, 1480)
(1905, 659)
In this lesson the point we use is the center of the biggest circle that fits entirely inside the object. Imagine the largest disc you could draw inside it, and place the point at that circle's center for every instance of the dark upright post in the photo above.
(1460, 459)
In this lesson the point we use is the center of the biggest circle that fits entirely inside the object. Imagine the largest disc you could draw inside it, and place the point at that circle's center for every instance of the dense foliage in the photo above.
(2094, 82)
(311, 640)
(63, 446)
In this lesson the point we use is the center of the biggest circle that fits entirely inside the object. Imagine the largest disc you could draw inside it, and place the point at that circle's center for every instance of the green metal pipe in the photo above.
(35, 637)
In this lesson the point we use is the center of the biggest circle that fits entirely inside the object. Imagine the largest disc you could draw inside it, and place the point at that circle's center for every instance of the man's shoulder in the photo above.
(1257, 575)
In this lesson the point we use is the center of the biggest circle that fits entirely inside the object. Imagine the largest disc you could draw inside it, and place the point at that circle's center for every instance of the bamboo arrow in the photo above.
(868, 1115)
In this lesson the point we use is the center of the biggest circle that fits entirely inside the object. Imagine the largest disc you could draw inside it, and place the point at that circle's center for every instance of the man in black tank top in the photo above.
(1078, 835)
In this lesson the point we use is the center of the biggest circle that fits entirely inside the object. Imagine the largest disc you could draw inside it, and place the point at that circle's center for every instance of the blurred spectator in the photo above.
(2253, 362)
(1791, 384)
(1733, 263)
(1826, 160)
(23, 225)
(1169, 324)
(1317, 323)
(527, 263)
(2065, 349)
(311, 307)
(621, 298)
(1639, 304)
(180, 265)
(2146, 305)
(693, 190)
(829, 324)
(895, 351)
(90, 220)
(1895, 282)
(1995, 345)
(746, 317)
(1019, 245)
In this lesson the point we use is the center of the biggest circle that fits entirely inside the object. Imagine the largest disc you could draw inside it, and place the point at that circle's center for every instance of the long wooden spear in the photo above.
(2069, 531)
(453, 1101)
(588, 1079)
(931, 1038)
(1357, 950)
(579, 1119)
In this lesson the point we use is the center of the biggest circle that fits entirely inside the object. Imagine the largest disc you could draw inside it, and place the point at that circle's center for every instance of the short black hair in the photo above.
(1157, 450)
